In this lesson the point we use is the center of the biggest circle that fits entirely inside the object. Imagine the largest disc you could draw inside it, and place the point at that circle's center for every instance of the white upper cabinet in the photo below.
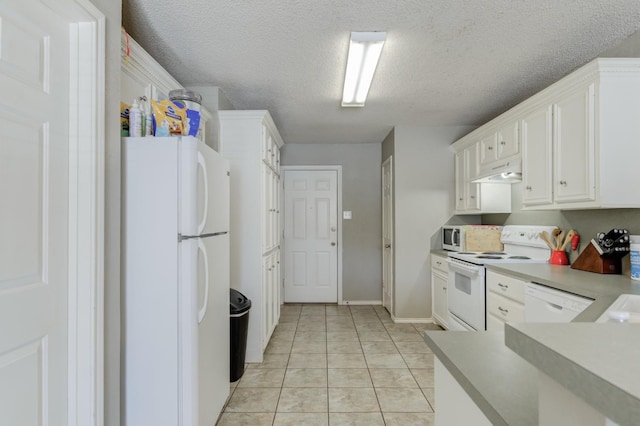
(559, 154)
(537, 144)
(574, 148)
(579, 140)
(500, 144)
(488, 149)
(508, 141)
(477, 198)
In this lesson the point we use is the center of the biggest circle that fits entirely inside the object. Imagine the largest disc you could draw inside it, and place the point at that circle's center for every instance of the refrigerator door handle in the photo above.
(203, 166)
(203, 309)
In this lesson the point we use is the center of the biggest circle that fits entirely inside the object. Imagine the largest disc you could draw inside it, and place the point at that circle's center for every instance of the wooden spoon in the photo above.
(567, 239)
(559, 240)
(546, 237)
(556, 243)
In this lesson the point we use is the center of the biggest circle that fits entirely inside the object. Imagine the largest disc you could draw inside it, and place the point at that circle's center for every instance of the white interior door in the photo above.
(387, 235)
(34, 228)
(311, 236)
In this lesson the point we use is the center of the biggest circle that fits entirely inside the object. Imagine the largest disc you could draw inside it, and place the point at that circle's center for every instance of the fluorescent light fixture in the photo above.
(364, 52)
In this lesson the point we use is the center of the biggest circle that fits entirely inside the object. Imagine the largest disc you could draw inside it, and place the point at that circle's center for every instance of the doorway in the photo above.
(312, 234)
(387, 235)
(51, 251)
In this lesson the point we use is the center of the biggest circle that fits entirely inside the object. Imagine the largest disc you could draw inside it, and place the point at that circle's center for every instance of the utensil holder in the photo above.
(590, 260)
(559, 257)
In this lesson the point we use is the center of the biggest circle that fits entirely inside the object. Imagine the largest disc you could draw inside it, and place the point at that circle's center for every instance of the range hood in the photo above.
(507, 172)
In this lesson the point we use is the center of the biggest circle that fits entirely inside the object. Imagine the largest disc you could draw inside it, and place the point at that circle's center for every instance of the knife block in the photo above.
(590, 260)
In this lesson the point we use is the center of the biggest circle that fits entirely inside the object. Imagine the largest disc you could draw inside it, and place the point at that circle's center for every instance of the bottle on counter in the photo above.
(634, 250)
(135, 119)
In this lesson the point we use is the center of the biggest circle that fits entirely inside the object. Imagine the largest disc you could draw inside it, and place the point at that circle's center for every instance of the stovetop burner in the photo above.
(518, 257)
(466, 252)
(494, 253)
(486, 256)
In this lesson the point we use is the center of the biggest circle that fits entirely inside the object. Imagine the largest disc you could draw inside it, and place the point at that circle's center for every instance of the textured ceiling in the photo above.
(445, 62)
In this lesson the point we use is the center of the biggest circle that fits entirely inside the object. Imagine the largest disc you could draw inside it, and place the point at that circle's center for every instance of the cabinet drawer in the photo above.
(506, 286)
(505, 309)
(439, 263)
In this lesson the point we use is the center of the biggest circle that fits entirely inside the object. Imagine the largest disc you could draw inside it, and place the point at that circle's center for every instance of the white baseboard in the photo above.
(361, 302)
(413, 320)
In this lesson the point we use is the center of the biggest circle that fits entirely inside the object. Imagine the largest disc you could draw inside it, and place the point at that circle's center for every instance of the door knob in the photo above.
(333, 244)
(387, 246)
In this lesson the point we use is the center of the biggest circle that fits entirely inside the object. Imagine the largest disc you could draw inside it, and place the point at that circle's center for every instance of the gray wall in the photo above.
(424, 198)
(112, 10)
(361, 193)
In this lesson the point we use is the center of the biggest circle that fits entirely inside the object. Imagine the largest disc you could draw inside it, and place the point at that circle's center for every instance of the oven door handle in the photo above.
(469, 269)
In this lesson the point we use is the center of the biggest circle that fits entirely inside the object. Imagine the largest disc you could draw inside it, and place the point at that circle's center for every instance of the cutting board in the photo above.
(483, 240)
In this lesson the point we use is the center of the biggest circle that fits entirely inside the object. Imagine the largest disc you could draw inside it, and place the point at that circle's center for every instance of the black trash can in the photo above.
(239, 307)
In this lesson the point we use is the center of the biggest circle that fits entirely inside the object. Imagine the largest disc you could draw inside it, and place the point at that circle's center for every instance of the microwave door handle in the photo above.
(455, 235)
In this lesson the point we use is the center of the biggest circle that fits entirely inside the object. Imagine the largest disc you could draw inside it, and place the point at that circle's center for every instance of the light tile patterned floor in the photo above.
(337, 365)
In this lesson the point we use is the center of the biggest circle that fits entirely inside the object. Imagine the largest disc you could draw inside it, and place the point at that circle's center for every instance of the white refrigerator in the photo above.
(175, 298)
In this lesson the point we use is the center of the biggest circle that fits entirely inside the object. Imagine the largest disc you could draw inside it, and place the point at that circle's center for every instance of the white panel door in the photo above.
(387, 235)
(310, 236)
(34, 172)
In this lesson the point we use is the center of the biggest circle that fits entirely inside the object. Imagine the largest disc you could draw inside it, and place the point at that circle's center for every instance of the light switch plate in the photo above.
(346, 214)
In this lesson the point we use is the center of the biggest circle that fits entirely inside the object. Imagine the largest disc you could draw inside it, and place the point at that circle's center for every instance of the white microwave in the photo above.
(471, 237)
(452, 238)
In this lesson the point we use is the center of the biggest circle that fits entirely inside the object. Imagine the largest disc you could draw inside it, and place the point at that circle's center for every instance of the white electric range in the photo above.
(466, 295)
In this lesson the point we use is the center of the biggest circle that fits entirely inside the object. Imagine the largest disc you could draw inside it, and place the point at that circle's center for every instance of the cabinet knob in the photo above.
(444, 288)
(473, 197)
(490, 148)
(563, 182)
(503, 310)
(333, 244)
(389, 246)
(503, 143)
(528, 188)
(503, 286)
(461, 198)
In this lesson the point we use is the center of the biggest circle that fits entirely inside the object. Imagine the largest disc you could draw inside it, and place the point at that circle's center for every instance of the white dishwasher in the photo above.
(545, 304)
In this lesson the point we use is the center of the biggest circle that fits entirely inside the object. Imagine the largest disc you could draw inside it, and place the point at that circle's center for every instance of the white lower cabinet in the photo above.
(505, 300)
(455, 407)
(439, 279)
(271, 293)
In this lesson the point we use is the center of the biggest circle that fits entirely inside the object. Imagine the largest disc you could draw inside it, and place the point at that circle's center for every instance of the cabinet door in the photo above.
(472, 165)
(574, 153)
(460, 181)
(275, 211)
(267, 188)
(265, 144)
(508, 141)
(439, 295)
(471, 168)
(536, 157)
(267, 300)
(488, 149)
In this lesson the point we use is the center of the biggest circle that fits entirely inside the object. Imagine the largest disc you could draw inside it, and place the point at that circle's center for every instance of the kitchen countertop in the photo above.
(501, 384)
(603, 288)
(597, 362)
